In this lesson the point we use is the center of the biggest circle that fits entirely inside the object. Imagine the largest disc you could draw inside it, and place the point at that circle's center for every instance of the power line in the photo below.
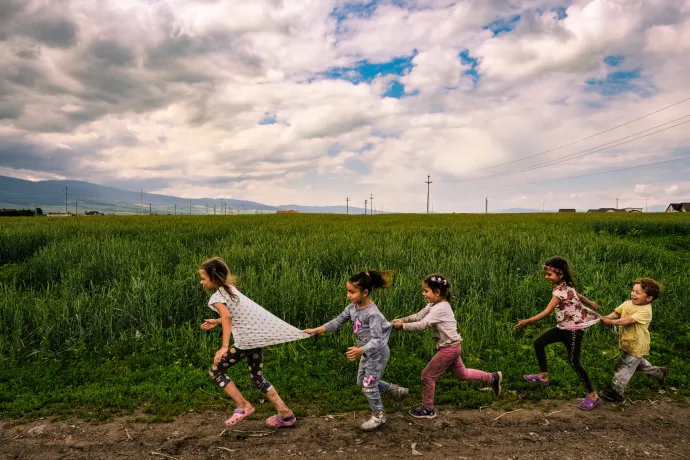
(579, 140)
(579, 176)
(579, 154)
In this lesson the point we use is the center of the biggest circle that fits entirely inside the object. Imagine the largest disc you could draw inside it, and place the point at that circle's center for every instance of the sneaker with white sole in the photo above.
(375, 421)
(496, 382)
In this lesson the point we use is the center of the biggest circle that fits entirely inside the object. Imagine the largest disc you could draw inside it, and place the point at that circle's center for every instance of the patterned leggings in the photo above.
(573, 343)
(255, 360)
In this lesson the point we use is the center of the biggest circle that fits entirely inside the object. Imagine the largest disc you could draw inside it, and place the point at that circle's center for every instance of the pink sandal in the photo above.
(276, 422)
(238, 415)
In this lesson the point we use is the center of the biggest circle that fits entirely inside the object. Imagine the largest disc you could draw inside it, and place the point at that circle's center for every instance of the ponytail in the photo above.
(219, 274)
(372, 279)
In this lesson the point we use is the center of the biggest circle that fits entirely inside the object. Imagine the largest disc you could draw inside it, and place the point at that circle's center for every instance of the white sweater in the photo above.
(440, 316)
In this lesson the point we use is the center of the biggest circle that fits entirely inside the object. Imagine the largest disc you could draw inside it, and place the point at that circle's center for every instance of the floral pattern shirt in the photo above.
(571, 314)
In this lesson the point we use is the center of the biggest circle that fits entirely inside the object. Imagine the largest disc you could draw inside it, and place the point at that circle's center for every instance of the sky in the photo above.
(315, 101)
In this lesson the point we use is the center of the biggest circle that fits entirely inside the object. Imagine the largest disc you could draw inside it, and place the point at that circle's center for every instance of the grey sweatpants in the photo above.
(627, 365)
(371, 369)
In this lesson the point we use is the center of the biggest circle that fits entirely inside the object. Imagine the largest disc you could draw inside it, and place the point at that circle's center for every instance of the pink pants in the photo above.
(447, 359)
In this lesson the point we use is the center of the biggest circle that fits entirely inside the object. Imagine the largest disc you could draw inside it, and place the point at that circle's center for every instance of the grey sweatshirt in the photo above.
(440, 316)
(368, 324)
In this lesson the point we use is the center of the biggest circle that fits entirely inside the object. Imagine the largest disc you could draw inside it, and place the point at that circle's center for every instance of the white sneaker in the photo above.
(377, 419)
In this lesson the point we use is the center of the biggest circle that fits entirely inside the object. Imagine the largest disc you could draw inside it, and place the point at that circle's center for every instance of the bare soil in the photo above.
(548, 430)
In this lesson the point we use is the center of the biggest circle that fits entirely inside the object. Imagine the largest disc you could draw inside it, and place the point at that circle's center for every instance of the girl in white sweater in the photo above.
(439, 315)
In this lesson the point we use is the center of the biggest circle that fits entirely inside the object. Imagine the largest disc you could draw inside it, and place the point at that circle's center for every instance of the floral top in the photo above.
(571, 314)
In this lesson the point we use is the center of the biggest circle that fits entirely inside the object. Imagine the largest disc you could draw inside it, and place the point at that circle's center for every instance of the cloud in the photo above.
(260, 99)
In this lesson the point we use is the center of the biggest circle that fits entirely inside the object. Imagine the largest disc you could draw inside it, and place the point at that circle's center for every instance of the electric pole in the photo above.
(175, 208)
(65, 200)
(371, 203)
(76, 207)
(150, 209)
(486, 205)
(190, 207)
(646, 206)
(616, 203)
(141, 201)
(347, 205)
(428, 183)
(365, 207)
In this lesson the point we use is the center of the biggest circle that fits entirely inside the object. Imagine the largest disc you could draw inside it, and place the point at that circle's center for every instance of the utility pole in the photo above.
(347, 205)
(65, 200)
(150, 209)
(646, 206)
(141, 201)
(365, 207)
(616, 203)
(486, 205)
(175, 208)
(76, 208)
(214, 209)
(190, 207)
(428, 183)
(371, 203)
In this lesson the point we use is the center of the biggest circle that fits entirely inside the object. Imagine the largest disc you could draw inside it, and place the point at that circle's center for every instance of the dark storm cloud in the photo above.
(54, 32)
(18, 153)
(109, 52)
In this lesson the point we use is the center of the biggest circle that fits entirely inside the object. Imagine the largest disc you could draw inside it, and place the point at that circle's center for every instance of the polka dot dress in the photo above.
(252, 325)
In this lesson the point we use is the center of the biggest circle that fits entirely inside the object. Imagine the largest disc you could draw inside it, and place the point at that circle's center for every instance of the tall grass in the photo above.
(85, 290)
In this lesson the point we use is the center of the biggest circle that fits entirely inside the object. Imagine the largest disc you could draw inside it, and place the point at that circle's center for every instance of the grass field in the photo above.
(101, 315)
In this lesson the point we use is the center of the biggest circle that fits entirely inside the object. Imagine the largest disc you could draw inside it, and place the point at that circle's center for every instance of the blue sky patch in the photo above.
(362, 9)
(467, 59)
(366, 71)
(502, 25)
(365, 148)
(614, 61)
(621, 82)
(358, 166)
(334, 150)
(395, 90)
(561, 12)
(269, 119)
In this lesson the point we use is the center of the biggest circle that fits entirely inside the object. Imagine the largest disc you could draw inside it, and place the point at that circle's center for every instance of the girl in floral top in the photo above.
(572, 318)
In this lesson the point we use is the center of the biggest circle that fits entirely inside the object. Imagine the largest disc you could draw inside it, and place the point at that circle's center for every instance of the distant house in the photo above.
(678, 207)
(616, 210)
(94, 213)
(291, 211)
(567, 210)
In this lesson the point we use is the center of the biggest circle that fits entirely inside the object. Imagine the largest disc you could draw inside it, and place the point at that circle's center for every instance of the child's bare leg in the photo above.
(236, 396)
(282, 409)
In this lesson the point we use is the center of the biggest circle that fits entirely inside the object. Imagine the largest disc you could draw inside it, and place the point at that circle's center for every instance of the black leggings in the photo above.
(573, 343)
(255, 360)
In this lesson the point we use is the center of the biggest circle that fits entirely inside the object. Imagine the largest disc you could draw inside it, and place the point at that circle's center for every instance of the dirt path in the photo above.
(552, 430)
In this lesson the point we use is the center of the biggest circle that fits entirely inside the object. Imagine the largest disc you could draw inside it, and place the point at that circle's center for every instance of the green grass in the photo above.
(100, 316)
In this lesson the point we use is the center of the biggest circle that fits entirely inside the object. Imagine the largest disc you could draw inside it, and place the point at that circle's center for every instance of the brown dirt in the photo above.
(548, 430)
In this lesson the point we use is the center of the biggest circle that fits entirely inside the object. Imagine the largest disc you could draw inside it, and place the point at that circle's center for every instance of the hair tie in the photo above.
(558, 271)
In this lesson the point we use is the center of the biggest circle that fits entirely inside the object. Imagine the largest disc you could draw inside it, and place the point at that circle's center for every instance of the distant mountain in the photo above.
(50, 196)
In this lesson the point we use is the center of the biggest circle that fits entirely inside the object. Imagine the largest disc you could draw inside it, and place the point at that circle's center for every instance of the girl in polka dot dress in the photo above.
(250, 326)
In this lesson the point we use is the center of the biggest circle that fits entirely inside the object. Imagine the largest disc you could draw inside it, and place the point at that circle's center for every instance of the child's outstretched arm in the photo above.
(593, 305)
(331, 326)
(547, 311)
(226, 322)
(398, 323)
(614, 319)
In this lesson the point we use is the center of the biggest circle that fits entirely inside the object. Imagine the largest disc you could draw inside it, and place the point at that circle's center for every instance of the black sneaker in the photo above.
(664, 374)
(422, 412)
(496, 382)
(611, 395)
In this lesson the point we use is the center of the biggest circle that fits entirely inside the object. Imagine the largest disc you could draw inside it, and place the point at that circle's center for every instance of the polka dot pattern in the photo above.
(252, 325)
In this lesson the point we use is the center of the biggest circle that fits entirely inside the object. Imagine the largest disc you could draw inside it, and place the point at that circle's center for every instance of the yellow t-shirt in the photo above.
(634, 339)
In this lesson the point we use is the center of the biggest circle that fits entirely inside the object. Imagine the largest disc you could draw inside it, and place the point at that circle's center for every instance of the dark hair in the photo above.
(219, 274)
(560, 267)
(438, 282)
(650, 287)
(367, 281)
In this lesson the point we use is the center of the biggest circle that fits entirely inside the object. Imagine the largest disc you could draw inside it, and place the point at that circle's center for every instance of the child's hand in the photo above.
(607, 321)
(397, 324)
(594, 306)
(522, 323)
(354, 353)
(219, 355)
(209, 324)
(312, 332)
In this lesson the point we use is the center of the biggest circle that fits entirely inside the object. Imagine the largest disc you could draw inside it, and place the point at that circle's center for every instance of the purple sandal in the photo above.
(534, 378)
(588, 404)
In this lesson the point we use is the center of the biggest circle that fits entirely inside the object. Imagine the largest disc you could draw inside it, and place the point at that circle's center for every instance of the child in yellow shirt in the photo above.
(633, 318)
